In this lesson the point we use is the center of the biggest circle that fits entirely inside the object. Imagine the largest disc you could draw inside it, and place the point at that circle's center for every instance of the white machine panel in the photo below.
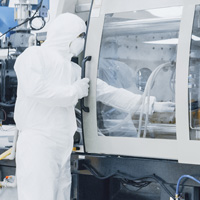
(145, 49)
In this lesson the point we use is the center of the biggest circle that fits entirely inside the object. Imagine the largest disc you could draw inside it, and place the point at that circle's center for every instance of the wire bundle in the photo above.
(177, 195)
(29, 20)
(140, 182)
(129, 180)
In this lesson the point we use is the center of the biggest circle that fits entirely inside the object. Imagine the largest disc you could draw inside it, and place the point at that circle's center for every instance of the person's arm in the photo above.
(125, 100)
(120, 98)
(31, 80)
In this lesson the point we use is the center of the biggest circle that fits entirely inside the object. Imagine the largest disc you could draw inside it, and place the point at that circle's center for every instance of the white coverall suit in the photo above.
(49, 87)
(44, 113)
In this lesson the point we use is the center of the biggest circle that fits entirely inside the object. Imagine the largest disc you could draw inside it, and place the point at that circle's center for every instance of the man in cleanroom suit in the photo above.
(49, 87)
(44, 114)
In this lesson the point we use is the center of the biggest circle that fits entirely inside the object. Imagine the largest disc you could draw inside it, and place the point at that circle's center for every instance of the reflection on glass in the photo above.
(136, 75)
(194, 79)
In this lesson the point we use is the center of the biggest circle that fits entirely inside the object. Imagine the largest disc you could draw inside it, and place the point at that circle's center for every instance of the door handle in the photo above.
(86, 59)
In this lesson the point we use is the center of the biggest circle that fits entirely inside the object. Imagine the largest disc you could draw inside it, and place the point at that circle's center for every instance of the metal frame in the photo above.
(140, 147)
(188, 149)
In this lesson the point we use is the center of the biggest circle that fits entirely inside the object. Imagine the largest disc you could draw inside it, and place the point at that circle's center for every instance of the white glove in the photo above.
(82, 87)
(164, 107)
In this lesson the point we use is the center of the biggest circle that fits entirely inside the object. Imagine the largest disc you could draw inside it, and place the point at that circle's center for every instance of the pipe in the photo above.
(148, 94)
(147, 91)
(6, 153)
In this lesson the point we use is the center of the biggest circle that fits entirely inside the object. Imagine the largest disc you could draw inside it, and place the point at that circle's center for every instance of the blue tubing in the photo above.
(185, 176)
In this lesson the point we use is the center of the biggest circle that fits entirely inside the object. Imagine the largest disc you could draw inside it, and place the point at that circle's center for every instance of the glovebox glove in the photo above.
(82, 87)
(164, 107)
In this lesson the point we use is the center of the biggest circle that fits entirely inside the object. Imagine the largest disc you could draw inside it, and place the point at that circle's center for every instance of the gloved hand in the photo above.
(82, 87)
(164, 107)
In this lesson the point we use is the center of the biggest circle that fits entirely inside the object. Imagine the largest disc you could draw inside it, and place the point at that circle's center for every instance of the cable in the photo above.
(129, 179)
(39, 6)
(137, 184)
(158, 180)
(5, 116)
(161, 182)
(6, 105)
(144, 184)
(37, 29)
(96, 174)
(7, 166)
(147, 94)
(14, 28)
(25, 21)
(178, 183)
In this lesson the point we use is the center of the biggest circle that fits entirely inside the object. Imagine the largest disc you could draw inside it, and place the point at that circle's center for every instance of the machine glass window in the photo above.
(136, 69)
(194, 79)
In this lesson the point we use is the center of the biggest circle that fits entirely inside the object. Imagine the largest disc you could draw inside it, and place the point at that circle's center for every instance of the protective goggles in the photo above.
(82, 35)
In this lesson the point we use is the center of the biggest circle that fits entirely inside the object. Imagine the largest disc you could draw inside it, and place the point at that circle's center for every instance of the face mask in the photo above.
(76, 47)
